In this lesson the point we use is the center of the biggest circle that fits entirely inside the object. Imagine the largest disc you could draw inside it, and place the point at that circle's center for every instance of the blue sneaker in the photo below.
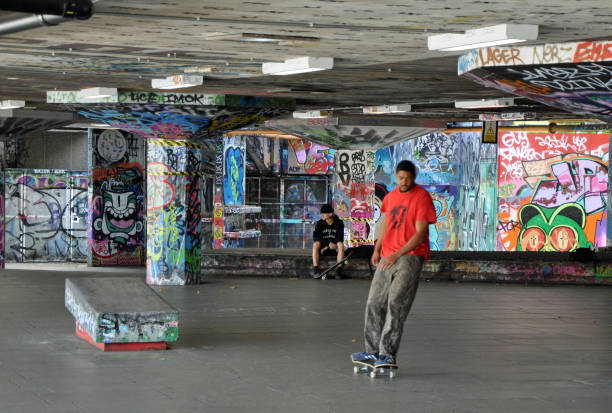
(384, 360)
(364, 357)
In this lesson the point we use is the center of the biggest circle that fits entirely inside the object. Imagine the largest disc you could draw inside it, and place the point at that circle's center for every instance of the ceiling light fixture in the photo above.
(383, 109)
(479, 104)
(483, 37)
(304, 64)
(12, 104)
(310, 114)
(96, 93)
(262, 38)
(177, 82)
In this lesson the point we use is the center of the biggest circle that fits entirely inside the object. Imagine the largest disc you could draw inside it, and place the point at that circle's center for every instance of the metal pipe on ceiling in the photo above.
(49, 13)
(80, 9)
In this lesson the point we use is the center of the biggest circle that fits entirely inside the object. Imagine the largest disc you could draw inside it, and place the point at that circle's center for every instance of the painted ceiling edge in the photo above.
(575, 77)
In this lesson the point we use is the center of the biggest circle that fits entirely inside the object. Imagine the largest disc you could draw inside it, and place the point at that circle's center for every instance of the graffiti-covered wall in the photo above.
(354, 195)
(45, 215)
(552, 191)
(117, 198)
(173, 212)
(309, 158)
(477, 195)
(460, 175)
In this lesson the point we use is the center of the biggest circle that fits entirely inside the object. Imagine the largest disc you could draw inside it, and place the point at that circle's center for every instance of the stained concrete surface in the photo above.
(281, 345)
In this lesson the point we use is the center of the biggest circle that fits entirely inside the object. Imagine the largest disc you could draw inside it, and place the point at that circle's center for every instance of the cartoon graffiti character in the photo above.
(119, 220)
(552, 229)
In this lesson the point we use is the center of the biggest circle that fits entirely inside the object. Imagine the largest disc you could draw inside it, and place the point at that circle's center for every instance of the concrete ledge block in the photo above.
(120, 310)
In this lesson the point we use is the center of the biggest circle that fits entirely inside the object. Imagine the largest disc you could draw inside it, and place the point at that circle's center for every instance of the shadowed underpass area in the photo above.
(278, 345)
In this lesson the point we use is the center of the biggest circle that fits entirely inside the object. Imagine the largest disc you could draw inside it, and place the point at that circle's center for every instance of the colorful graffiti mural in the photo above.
(477, 195)
(553, 191)
(574, 77)
(309, 158)
(45, 215)
(263, 155)
(234, 170)
(117, 198)
(354, 195)
(460, 175)
(173, 212)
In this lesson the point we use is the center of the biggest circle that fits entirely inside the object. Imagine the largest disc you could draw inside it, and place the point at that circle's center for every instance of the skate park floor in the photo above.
(283, 345)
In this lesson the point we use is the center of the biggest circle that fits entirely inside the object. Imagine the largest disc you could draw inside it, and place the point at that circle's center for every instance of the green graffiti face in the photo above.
(552, 229)
(119, 220)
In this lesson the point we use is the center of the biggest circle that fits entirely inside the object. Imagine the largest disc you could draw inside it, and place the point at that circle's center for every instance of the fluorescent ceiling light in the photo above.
(262, 38)
(382, 109)
(92, 93)
(298, 65)
(483, 37)
(12, 104)
(490, 103)
(177, 82)
(310, 114)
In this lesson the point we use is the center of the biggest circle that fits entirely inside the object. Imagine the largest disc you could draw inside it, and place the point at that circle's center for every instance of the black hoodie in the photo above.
(329, 233)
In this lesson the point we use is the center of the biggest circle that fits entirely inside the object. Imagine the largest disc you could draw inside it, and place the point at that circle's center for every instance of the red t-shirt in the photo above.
(403, 210)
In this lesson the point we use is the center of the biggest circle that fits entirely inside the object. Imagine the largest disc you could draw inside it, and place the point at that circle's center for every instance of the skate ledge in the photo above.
(487, 266)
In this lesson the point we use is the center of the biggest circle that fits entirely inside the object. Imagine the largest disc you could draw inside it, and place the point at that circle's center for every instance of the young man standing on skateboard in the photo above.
(401, 248)
(328, 239)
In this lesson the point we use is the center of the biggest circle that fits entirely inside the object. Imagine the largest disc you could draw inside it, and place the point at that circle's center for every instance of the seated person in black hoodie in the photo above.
(328, 239)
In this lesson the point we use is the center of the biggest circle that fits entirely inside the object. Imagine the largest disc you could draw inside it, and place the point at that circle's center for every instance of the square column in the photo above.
(354, 195)
(173, 212)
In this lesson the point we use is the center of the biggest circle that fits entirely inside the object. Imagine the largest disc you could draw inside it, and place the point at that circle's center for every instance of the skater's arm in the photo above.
(382, 221)
(417, 239)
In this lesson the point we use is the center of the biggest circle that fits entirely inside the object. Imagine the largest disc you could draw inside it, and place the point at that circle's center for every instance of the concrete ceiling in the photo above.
(380, 47)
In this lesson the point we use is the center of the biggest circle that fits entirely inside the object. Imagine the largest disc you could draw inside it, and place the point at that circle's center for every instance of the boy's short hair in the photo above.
(406, 166)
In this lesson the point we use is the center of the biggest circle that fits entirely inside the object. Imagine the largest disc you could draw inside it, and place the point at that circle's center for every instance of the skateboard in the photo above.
(323, 275)
(368, 367)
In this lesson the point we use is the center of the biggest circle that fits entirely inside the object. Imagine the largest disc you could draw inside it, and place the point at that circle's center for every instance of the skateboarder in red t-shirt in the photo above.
(402, 246)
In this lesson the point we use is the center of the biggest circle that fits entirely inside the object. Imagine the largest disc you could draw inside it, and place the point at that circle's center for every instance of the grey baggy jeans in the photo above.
(391, 295)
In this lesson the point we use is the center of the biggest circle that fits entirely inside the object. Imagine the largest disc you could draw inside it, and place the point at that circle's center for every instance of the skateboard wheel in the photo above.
(373, 374)
(355, 369)
(324, 277)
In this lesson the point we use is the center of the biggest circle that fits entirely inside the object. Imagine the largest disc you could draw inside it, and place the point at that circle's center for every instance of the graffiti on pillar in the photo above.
(477, 194)
(310, 158)
(45, 215)
(553, 191)
(233, 171)
(354, 194)
(173, 212)
(117, 197)
(460, 175)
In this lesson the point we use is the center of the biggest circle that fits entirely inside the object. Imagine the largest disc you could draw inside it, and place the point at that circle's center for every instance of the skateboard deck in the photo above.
(323, 275)
(368, 367)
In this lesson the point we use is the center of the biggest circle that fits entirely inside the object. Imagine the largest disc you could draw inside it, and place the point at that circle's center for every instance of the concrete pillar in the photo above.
(116, 224)
(173, 212)
(218, 224)
(354, 195)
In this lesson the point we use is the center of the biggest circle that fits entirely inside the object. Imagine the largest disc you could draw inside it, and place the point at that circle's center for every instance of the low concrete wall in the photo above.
(550, 268)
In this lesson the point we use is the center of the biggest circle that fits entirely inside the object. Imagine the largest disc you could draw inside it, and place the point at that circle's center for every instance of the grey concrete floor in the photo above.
(281, 345)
